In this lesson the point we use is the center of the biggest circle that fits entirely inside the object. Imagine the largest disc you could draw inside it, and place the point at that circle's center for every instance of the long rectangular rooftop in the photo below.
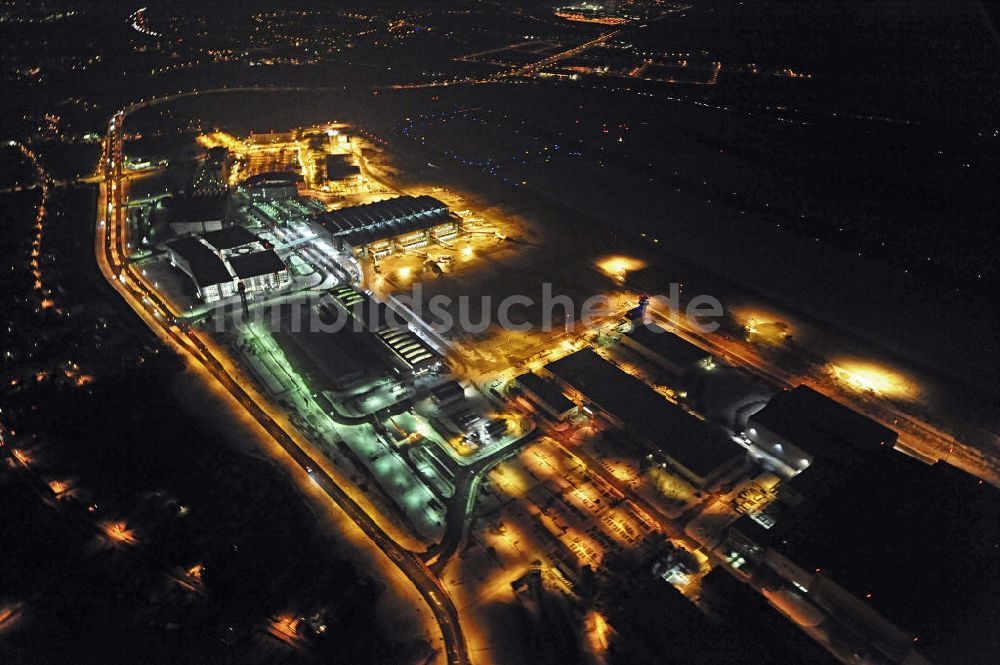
(392, 211)
(821, 426)
(363, 236)
(674, 349)
(547, 391)
(409, 349)
(694, 444)
(918, 544)
(330, 358)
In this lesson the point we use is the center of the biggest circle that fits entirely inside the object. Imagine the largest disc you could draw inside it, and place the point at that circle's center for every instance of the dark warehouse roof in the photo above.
(822, 427)
(694, 444)
(546, 391)
(229, 237)
(674, 349)
(256, 263)
(206, 266)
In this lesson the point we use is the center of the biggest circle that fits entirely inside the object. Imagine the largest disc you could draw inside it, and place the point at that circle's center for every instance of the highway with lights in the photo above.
(112, 257)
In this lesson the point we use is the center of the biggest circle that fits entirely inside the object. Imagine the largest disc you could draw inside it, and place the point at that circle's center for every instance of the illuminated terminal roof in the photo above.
(380, 213)
(698, 448)
(362, 224)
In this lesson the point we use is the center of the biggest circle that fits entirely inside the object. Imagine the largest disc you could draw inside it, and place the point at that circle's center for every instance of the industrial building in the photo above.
(405, 349)
(339, 167)
(801, 425)
(331, 359)
(211, 277)
(368, 314)
(230, 239)
(665, 349)
(227, 261)
(448, 392)
(271, 186)
(477, 429)
(409, 351)
(698, 451)
(545, 395)
(259, 271)
(397, 224)
(196, 214)
(895, 550)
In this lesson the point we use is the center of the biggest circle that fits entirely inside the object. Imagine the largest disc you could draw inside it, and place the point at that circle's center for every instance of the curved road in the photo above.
(114, 264)
(462, 502)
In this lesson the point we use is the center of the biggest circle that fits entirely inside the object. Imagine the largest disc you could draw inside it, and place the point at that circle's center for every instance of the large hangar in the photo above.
(700, 452)
(406, 350)
(220, 262)
(397, 224)
(271, 185)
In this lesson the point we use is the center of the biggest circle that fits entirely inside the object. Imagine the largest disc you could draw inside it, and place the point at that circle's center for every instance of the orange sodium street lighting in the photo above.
(618, 267)
(119, 532)
(866, 377)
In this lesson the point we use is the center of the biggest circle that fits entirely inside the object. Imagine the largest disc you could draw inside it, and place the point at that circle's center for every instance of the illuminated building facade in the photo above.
(385, 227)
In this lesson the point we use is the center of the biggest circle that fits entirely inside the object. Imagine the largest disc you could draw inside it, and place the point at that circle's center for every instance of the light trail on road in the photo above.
(110, 244)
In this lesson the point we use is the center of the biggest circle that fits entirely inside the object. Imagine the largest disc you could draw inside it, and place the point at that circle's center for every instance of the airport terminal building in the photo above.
(271, 186)
(385, 227)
